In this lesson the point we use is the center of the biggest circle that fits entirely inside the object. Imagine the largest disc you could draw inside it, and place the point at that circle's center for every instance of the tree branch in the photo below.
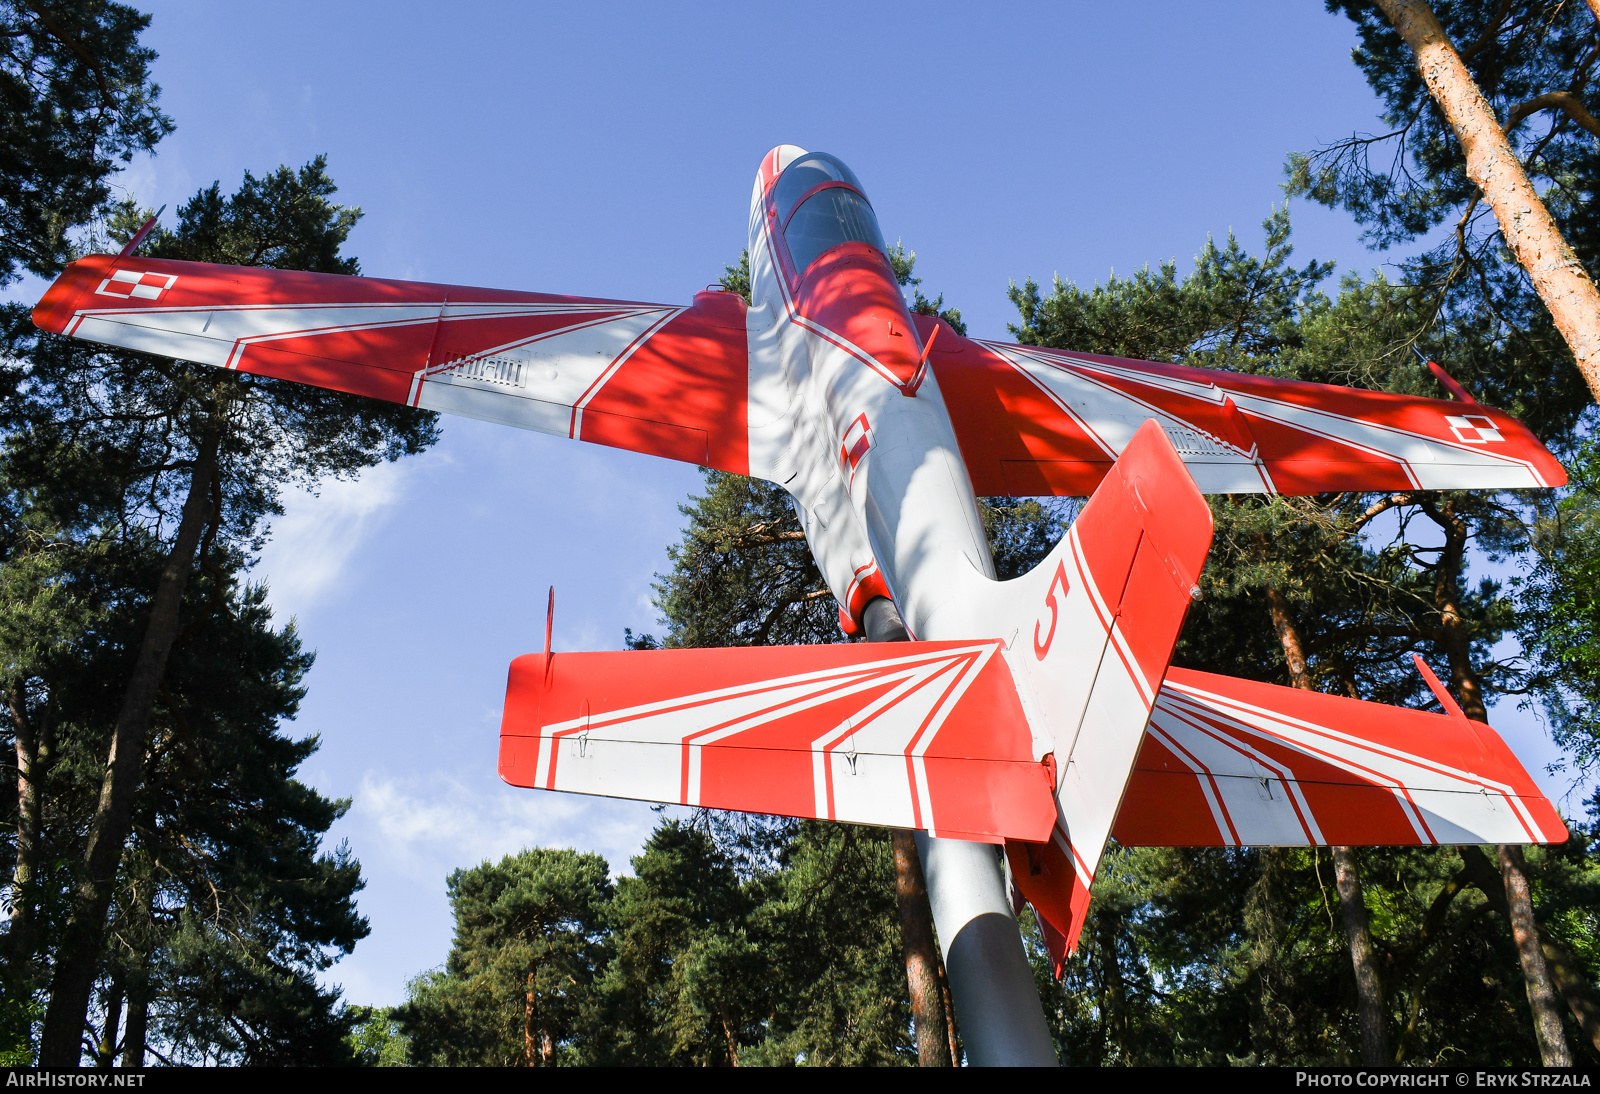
(1564, 101)
(59, 34)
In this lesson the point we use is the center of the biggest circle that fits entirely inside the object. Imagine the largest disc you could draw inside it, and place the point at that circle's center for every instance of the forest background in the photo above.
(481, 183)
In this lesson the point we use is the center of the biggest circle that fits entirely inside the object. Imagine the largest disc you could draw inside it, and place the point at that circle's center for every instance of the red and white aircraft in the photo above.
(1039, 713)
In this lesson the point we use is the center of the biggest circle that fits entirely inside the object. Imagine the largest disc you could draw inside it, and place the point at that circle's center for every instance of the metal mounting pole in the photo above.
(997, 1005)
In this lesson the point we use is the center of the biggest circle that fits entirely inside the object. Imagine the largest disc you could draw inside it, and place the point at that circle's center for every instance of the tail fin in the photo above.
(1095, 625)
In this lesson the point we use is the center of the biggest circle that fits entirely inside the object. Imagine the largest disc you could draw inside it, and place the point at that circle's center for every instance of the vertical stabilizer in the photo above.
(1096, 623)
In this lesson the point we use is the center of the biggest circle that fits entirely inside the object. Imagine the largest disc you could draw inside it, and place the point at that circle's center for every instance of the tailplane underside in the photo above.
(1232, 762)
(912, 735)
(1229, 763)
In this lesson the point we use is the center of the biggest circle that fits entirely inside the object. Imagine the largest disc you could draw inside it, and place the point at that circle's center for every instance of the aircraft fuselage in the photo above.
(840, 413)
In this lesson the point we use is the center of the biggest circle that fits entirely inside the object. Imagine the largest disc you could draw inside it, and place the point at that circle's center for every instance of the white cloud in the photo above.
(426, 828)
(314, 539)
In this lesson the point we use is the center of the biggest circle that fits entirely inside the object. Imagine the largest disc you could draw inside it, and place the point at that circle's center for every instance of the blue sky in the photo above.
(608, 150)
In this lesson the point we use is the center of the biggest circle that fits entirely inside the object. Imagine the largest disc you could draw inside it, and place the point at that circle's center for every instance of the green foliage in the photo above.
(737, 278)
(76, 102)
(1234, 308)
(1021, 531)
(376, 1039)
(706, 955)
(904, 262)
(829, 944)
(1211, 957)
(672, 994)
(20, 1011)
(743, 575)
(528, 946)
(225, 907)
(1559, 600)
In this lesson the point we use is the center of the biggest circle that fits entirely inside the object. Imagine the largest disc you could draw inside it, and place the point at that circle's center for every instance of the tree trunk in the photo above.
(78, 960)
(1529, 230)
(107, 1054)
(1563, 967)
(1457, 646)
(921, 954)
(1294, 656)
(133, 1033)
(1109, 929)
(733, 1043)
(951, 1030)
(1553, 1049)
(1573, 985)
(1369, 988)
(1454, 638)
(530, 1045)
(1352, 901)
(34, 752)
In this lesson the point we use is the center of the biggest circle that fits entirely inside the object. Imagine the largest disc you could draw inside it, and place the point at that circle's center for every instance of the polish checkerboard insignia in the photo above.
(133, 285)
(1473, 428)
(857, 441)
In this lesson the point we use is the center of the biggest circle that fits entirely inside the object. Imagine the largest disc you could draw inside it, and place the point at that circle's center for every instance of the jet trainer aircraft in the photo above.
(1037, 714)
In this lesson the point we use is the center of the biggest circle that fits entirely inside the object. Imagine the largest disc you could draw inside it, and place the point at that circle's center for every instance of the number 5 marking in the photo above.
(1060, 578)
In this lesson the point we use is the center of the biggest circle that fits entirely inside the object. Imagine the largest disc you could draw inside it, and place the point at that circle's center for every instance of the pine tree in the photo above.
(517, 988)
(115, 451)
(1529, 64)
(76, 102)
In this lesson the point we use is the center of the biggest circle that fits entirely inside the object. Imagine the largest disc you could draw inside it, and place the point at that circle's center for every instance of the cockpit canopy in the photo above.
(820, 204)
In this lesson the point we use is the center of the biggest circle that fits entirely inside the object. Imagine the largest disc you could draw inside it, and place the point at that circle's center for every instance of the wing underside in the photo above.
(664, 380)
(1034, 421)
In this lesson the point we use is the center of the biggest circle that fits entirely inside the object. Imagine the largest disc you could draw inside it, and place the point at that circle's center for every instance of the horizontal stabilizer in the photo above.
(1232, 762)
(910, 735)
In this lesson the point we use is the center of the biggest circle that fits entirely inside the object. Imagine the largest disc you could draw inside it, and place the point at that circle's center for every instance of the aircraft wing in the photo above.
(665, 380)
(1229, 762)
(1034, 421)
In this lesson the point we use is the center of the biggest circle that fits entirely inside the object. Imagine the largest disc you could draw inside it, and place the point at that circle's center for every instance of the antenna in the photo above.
(909, 388)
(1451, 707)
(549, 623)
(1444, 378)
(138, 237)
